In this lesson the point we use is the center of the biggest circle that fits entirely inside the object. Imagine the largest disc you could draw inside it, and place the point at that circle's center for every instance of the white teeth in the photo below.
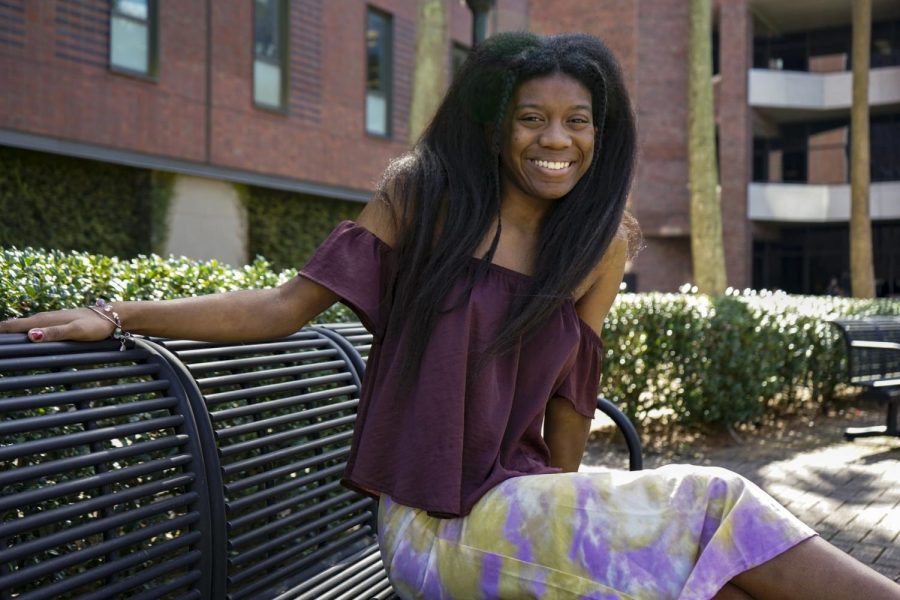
(556, 166)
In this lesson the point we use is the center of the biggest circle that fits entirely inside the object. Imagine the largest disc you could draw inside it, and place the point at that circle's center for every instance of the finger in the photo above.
(6, 325)
(13, 326)
(56, 333)
(44, 319)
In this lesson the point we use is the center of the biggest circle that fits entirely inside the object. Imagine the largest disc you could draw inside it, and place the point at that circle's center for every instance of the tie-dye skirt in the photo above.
(679, 531)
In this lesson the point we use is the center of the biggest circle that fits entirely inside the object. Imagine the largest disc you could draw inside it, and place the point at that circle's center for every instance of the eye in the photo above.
(531, 118)
(580, 120)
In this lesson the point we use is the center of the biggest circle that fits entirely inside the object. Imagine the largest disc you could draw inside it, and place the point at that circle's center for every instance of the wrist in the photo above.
(107, 311)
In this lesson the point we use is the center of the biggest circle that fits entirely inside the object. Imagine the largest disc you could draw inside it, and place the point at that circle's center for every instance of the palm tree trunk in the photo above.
(708, 255)
(862, 272)
(430, 74)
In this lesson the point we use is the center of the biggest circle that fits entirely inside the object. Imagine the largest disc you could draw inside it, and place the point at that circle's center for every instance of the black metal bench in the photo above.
(180, 469)
(873, 361)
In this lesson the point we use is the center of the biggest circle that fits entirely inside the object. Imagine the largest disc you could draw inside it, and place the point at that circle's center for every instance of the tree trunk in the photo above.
(862, 272)
(707, 251)
(431, 65)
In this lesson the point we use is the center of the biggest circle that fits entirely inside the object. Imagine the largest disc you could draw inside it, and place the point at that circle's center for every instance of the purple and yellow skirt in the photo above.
(676, 532)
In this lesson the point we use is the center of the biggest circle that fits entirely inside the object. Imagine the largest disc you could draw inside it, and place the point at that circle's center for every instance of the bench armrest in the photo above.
(632, 439)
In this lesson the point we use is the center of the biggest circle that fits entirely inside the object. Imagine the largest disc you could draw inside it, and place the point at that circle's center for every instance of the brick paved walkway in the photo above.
(847, 491)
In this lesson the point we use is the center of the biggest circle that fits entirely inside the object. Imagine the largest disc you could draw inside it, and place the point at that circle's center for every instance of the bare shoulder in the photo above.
(385, 210)
(599, 290)
(380, 216)
(611, 264)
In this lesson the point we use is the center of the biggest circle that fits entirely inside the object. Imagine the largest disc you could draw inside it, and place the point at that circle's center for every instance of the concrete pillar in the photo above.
(206, 221)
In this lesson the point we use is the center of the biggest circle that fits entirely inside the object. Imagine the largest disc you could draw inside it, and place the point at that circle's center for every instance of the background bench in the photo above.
(873, 362)
(182, 469)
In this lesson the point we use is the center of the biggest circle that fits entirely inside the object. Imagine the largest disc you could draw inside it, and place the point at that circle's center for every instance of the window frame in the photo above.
(282, 30)
(387, 73)
(152, 25)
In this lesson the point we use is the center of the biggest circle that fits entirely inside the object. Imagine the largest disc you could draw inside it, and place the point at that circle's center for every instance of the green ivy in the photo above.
(52, 201)
(287, 227)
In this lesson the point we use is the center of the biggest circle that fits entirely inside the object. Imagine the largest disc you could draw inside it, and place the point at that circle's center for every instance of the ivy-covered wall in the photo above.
(286, 227)
(51, 201)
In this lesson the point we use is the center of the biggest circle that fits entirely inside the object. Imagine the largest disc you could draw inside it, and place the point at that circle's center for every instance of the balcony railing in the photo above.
(819, 91)
(806, 203)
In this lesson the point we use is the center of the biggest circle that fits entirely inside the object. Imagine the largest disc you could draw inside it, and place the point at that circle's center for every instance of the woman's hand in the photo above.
(80, 324)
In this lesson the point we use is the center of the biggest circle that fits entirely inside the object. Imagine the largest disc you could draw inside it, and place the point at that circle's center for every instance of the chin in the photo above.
(552, 195)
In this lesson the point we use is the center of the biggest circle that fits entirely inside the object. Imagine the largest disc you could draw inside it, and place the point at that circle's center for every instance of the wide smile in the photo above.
(552, 167)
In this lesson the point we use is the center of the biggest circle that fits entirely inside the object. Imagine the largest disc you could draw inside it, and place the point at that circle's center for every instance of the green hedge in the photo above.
(729, 359)
(286, 227)
(694, 358)
(52, 201)
(32, 281)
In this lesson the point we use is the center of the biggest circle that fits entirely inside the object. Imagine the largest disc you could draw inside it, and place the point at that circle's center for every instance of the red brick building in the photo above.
(313, 96)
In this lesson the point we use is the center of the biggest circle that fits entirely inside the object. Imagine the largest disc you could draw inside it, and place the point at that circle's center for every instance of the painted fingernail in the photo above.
(36, 335)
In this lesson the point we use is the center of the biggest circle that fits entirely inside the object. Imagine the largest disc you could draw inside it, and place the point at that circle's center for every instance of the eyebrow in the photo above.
(535, 105)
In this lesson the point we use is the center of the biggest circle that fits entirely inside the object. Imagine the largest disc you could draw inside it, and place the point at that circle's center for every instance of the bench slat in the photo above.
(222, 414)
(169, 547)
(82, 507)
(275, 577)
(84, 415)
(262, 390)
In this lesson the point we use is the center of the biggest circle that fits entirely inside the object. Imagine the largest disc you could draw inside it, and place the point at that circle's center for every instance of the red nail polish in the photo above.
(37, 335)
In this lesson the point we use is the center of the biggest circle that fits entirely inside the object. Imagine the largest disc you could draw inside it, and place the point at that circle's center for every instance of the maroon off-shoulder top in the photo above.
(453, 436)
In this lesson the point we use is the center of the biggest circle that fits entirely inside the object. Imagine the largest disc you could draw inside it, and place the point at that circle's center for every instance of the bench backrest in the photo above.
(870, 365)
(103, 490)
(248, 443)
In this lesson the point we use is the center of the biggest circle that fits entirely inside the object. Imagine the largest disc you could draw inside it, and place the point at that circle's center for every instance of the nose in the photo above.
(555, 136)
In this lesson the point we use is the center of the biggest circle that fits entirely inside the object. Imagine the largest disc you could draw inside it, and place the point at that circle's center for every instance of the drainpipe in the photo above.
(480, 10)
(207, 125)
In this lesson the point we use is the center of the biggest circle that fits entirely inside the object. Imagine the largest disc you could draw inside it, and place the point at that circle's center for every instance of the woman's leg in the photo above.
(816, 569)
(732, 592)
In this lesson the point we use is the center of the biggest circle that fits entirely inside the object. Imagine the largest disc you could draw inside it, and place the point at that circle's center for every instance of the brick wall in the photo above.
(322, 136)
(55, 81)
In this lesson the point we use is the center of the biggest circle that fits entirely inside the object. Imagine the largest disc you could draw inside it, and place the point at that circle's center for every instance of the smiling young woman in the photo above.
(484, 267)
(548, 140)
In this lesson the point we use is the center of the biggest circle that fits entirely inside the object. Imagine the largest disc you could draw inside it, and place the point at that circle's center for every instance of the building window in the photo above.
(378, 73)
(269, 53)
(132, 36)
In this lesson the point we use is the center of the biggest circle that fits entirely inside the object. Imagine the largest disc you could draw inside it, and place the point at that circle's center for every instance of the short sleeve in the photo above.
(580, 385)
(352, 263)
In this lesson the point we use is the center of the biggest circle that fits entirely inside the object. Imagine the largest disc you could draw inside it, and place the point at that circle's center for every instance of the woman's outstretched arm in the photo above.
(245, 315)
(566, 430)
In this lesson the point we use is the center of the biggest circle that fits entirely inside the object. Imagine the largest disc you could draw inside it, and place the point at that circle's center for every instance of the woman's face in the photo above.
(548, 139)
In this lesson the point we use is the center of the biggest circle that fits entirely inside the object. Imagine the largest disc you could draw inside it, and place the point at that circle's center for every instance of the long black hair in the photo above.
(445, 194)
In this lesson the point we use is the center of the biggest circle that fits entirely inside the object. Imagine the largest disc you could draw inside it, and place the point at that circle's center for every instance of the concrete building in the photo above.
(313, 96)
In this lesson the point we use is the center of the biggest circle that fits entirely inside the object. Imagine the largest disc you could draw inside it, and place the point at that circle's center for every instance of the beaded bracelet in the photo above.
(105, 309)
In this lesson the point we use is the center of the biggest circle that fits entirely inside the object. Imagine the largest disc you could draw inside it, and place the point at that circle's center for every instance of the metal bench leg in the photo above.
(888, 429)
